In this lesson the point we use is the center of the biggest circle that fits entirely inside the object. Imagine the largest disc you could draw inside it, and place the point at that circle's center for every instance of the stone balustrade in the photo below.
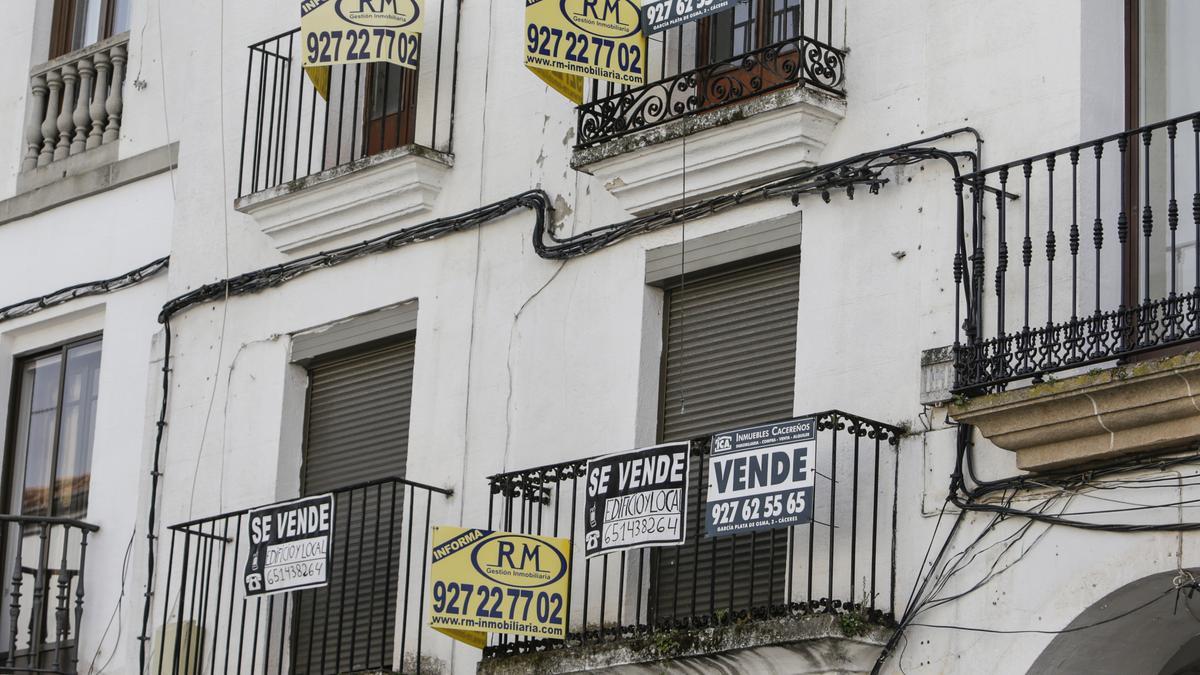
(75, 103)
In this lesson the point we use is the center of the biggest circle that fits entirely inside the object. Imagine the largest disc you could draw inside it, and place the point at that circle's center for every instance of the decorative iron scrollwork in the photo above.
(797, 61)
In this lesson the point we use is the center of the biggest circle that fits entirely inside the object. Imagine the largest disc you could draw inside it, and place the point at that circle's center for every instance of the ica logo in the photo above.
(723, 443)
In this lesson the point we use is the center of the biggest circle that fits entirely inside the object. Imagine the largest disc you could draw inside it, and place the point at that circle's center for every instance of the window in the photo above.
(1165, 53)
(79, 23)
(50, 457)
(1161, 82)
(729, 358)
(391, 108)
(356, 431)
(749, 25)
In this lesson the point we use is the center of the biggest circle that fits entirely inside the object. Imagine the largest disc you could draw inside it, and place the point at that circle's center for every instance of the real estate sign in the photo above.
(361, 31)
(586, 38)
(761, 477)
(636, 499)
(290, 546)
(486, 581)
(659, 15)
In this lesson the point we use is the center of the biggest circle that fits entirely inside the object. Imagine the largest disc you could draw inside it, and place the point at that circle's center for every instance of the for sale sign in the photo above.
(660, 15)
(482, 581)
(761, 478)
(636, 499)
(290, 546)
(586, 38)
(361, 31)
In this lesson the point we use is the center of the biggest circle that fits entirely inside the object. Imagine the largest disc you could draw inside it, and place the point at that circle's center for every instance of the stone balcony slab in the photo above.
(1128, 409)
(727, 148)
(360, 199)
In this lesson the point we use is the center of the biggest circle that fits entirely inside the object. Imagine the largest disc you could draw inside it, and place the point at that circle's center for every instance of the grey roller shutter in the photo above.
(729, 360)
(356, 431)
(358, 417)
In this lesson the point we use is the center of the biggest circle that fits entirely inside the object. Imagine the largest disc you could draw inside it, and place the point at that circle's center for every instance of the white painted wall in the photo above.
(99, 237)
(522, 361)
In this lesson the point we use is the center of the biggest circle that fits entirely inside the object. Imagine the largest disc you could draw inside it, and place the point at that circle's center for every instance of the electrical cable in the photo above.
(63, 295)
(155, 473)
(115, 615)
(1075, 629)
(864, 169)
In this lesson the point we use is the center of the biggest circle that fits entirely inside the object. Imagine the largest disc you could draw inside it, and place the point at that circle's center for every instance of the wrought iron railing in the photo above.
(1105, 256)
(291, 129)
(843, 561)
(369, 617)
(685, 75)
(45, 559)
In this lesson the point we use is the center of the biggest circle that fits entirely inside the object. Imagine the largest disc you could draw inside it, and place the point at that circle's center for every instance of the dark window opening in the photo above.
(748, 26)
(390, 109)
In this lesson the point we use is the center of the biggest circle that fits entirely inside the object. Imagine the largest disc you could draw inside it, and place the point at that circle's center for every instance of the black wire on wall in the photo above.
(130, 278)
(865, 170)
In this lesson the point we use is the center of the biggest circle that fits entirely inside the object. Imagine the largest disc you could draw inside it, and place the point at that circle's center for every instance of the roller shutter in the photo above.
(356, 431)
(729, 360)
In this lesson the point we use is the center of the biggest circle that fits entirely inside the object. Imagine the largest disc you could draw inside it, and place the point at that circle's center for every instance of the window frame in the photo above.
(62, 25)
(14, 407)
(763, 19)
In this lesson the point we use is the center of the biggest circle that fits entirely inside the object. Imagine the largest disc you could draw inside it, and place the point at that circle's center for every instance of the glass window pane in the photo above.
(86, 23)
(37, 412)
(1170, 84)
(120, 16)
(389, 81)
(77, 430)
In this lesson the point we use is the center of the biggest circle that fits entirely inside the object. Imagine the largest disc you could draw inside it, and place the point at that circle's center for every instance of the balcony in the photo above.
(757, 91)
(345, 150)
(1099, 307)
(73, 121)
(368, 618)
(45, 587)
(811, 591)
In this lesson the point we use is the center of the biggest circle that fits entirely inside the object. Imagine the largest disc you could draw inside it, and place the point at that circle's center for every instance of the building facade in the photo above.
(958, 238)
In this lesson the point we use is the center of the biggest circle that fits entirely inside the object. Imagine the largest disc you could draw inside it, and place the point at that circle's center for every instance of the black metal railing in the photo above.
(704, 65)
(844, 561)
(368, 618)
(291, 128)
(45, 558)
(1105, 261)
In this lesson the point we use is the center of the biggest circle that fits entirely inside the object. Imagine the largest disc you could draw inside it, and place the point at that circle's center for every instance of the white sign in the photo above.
(761, 478)
(636, 499)
(659, 15)
(291, 546)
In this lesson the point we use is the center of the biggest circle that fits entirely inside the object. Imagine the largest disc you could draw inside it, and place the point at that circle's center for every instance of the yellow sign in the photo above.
(593, 38)
(570, 86)
(361, 31)
(485, 581)
(319, 76)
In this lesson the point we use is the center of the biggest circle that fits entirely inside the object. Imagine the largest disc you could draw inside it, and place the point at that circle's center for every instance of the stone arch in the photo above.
(1157, 640)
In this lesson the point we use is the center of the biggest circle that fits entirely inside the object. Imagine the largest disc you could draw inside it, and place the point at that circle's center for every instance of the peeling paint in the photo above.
(562, 211)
